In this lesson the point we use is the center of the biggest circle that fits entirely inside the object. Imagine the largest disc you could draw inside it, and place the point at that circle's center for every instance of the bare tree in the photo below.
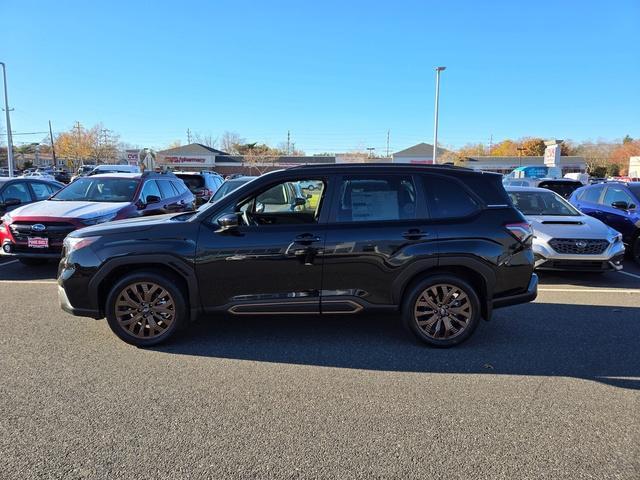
(230, 142)
(206, 140)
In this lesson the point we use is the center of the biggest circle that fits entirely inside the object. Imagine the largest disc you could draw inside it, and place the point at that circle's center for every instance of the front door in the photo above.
(272, 262)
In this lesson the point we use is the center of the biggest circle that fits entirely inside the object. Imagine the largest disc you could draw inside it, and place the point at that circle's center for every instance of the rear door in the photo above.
(588, 201)
(378, 227)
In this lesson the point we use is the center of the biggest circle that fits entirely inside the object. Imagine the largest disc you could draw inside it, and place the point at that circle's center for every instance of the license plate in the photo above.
(38, 242)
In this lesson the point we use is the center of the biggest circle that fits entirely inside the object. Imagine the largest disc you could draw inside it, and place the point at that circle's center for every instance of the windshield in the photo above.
(88, 189)
(542, 203)
(228, 187)
(635, 189)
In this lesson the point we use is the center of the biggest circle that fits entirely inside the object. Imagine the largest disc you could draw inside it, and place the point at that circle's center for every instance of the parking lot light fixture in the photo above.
(6, 109)
(435, 121)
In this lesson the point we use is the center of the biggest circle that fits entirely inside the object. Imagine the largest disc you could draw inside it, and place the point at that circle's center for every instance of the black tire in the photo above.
(33, 262)
(414, 315)
(118, 315)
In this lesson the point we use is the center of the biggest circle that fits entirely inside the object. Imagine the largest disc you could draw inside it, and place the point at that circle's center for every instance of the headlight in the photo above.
(102, 219)
(614, 236)
(76, 243)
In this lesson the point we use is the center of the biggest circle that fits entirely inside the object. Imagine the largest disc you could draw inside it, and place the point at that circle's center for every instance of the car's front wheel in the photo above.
(441, 310)
(146, 308)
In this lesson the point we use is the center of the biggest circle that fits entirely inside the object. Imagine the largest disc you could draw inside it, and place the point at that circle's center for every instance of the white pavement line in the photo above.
(591, 290)
(9, 263)
(29, 281)
(630, 274)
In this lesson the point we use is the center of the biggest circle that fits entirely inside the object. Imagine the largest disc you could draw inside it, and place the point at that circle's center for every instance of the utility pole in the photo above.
(435, 122)
(388, 134)
(288, 141)
(78, 128)
(490, 143)
(188, 136)
(53, 146)
(6, 109)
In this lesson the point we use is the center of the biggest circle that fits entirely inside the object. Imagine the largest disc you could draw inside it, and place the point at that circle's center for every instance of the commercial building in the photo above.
(568, 164)
(421, 153)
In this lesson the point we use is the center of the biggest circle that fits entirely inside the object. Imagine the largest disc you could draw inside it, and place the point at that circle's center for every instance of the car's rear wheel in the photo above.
(32, 262)
(441, 310)
(146, 308)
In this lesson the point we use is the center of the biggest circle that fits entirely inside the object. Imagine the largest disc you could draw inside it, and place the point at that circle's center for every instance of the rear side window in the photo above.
(367, 199)
(591, 194)
(447, 198)
(488, 187)
(179, 187)
(165, 189)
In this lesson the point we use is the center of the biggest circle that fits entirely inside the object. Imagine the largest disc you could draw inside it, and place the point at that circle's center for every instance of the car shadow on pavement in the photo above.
(589, 342)
(588, 279)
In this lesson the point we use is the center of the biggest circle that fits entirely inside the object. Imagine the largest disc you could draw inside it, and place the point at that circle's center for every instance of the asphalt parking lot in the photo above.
(545, 390)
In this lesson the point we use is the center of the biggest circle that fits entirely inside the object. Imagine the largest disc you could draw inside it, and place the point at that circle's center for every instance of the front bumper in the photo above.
(546, 258)
(528, 296)
(65, 304)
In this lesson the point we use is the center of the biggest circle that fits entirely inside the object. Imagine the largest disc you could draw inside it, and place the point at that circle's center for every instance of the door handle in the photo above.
(306, 239)
(414, 234)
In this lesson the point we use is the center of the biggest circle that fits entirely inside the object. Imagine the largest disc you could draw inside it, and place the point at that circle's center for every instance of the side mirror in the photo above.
(12, 202)
(228, 222)
(620, 205)
(152, 199)
(299, 202)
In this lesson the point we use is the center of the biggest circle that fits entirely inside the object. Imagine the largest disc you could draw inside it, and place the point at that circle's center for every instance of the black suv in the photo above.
(442, 245)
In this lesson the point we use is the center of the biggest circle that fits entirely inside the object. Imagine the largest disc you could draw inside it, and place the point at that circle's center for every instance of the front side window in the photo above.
(289, 202)
(447, 198)
(96, 189)
(372, 199)
(42, 191)
(616, 194)
(149, 189)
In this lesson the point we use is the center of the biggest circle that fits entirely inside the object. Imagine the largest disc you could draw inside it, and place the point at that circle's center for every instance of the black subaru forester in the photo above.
(442, 245)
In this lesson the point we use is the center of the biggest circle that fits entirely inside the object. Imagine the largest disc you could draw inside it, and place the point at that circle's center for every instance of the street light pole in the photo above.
(6, 109)
(435, 121)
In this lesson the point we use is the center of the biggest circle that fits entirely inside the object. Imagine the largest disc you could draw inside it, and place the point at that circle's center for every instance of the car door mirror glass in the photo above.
(621, 205)
(228, 221)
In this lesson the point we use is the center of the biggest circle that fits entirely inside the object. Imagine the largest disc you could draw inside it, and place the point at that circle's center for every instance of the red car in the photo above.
(34, 233)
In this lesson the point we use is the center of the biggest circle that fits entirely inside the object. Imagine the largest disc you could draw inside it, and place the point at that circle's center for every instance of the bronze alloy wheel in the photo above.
(443, 311)
(145, 309)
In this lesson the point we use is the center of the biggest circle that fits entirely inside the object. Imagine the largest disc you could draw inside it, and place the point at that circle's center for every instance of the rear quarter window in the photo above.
(488, 187)
(448, 198)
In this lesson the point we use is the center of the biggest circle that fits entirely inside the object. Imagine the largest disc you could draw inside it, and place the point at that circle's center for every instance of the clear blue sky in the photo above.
(338, 74)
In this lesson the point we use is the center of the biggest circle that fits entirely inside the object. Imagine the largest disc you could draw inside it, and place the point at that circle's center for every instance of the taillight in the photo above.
(521, 230)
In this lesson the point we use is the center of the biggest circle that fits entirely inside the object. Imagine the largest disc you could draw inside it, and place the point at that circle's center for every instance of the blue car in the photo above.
(616, 204)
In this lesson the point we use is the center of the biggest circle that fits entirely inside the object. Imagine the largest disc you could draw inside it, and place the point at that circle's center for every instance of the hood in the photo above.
(556, 226)
(71, 210)
(128, 225)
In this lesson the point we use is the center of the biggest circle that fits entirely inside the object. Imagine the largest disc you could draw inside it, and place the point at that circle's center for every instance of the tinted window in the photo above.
(18, 191)
(488, 187)
(150, 189)
(165, 189)
(42, 191)
(367, 199)
(193, 182)
(179, 187)
(564, 189)
(447, 198)
(591, 194)
(616, 194)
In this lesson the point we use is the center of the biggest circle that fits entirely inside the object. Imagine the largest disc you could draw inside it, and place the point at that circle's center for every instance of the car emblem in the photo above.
(581, 244)
(38, 227)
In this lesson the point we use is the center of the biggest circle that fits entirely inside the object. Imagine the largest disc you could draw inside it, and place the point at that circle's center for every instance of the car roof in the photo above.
(117, 175)
(387, 167)
(527, 189)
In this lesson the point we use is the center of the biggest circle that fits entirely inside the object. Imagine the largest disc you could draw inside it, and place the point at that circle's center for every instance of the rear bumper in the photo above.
(528, 296)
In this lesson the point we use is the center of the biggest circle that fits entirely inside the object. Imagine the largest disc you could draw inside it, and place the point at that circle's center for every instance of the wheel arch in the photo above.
(164, 264)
